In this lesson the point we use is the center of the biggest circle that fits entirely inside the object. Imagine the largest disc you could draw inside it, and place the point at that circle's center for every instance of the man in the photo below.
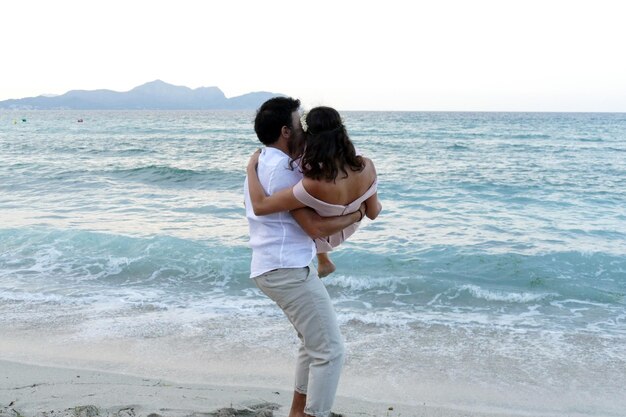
(282, 253)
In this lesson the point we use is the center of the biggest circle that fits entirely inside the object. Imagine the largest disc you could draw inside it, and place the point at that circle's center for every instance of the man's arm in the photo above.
(317, 226)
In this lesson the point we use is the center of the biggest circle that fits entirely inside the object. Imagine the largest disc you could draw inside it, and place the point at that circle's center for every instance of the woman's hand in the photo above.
(254, 160)
(262, 204)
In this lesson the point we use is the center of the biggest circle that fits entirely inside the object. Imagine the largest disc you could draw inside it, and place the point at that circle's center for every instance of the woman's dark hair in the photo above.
(272, 116)
(328, 148)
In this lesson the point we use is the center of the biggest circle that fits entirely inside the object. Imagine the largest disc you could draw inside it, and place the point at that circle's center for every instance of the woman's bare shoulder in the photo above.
(370, 169)
(312, 186)
(368, 162)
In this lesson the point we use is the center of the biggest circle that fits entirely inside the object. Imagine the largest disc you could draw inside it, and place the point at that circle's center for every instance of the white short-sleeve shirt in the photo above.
(277, 241)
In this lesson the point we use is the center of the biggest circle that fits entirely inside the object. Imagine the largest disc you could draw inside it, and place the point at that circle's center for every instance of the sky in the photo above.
(442, 55)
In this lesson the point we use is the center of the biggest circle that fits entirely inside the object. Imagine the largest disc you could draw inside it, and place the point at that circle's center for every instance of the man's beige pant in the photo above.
(303, 298)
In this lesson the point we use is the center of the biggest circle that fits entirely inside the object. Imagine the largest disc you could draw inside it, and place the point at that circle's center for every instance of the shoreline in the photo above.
(464, 382)
(28, 390)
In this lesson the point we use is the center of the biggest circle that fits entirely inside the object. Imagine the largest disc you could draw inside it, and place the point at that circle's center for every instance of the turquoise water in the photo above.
(503, 235)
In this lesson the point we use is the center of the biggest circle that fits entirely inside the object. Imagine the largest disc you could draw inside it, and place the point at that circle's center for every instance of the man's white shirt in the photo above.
(277, 241)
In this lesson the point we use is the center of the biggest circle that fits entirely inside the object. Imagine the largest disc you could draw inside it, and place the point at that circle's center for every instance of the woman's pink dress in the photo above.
(325, 209)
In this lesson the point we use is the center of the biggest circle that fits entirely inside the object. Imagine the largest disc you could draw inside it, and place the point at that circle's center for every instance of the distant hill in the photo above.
(155, 95)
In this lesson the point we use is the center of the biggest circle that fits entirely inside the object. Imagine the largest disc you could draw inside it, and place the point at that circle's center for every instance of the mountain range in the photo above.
(155, 95)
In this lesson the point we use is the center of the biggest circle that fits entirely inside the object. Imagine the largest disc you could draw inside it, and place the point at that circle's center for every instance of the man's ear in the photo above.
(285, 131)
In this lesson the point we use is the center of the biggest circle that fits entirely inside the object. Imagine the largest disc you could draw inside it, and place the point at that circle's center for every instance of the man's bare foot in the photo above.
(297, 405)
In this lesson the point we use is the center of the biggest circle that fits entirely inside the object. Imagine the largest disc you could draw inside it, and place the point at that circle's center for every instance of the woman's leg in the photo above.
(324, 265)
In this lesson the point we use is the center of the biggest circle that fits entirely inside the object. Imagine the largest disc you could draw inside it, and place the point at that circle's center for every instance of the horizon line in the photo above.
(338, 109)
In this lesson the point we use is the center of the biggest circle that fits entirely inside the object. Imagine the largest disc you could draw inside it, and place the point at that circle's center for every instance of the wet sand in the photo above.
(31, 390)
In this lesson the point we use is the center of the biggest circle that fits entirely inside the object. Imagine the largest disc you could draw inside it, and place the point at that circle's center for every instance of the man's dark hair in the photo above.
(272, 116)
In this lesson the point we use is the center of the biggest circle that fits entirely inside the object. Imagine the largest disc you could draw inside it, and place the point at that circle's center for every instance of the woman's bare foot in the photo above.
(325, 266)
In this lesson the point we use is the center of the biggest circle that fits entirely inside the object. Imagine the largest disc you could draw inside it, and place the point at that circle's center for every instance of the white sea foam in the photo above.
(510, 297)
(365, 283)
(29, 297)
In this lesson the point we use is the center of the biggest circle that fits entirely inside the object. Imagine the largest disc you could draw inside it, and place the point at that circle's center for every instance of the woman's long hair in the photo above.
(328, 149)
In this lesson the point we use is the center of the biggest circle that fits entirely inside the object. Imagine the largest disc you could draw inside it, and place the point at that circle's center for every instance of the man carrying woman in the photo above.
(341, 187)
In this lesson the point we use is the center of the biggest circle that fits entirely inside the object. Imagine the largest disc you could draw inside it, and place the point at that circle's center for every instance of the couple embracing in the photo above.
(305, 193)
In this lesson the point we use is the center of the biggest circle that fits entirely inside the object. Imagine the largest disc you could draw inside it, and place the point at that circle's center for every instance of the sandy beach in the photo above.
(31, 390)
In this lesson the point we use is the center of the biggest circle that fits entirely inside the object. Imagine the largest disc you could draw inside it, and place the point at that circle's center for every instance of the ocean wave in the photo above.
(377, 319)
(135, 151)
(529, 136)
(365, 283)
(162, 173)
(508, 297)
(511, 277)
(28, 297)
(169, 176)
(112, 272)
(74, 258)
(590, 139)
(362, 266)
(457, 147)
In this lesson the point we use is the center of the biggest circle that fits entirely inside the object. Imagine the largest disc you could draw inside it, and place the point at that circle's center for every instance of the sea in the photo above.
(494, 278)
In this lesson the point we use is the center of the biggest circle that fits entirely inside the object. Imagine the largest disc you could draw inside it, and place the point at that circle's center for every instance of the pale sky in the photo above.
(353, 55)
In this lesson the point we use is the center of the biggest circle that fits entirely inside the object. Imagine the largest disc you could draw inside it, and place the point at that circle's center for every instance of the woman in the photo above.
(336, 180)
